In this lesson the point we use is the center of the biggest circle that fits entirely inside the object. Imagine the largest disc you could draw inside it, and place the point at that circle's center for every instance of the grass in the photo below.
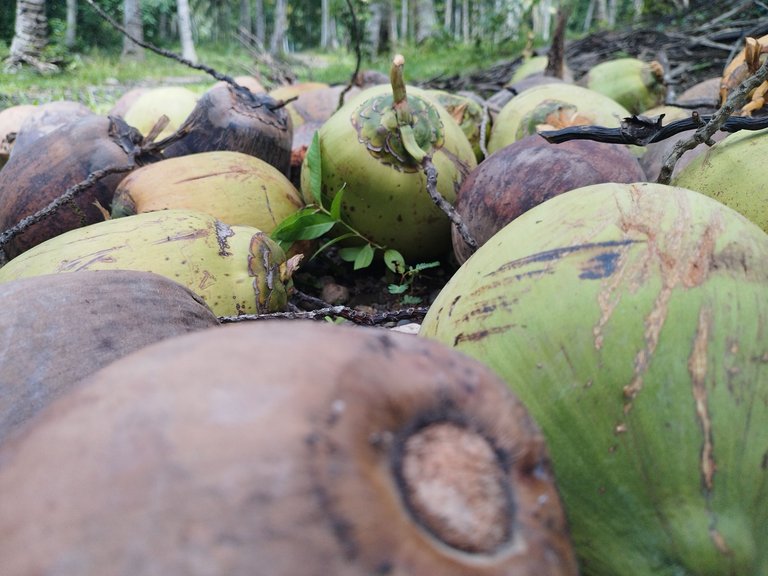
(98, 78)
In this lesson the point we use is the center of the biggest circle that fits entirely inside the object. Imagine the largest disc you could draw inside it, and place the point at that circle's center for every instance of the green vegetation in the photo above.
(97, 77)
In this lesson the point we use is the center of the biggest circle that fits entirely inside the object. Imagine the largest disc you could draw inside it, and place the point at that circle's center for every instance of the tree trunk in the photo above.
(393, 35)
(30, 33)
(277, 43)
(465, 21)
(71, 33)
(325, 24)
(134, 26)
(185, 31)
(261, 23)
(448, 16)
(373, 27)
(246, 21)
(426, 20)
(404, 20)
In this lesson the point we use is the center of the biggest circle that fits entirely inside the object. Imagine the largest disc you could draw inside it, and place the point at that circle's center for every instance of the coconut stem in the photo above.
(400, 105)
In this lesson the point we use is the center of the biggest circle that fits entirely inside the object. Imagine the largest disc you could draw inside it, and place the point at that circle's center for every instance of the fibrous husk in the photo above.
(218, 454)
(632, 319)
(61, 159)
(59, 328)
(226, 118)
(528, 172)
(236, 188)
(45, 119)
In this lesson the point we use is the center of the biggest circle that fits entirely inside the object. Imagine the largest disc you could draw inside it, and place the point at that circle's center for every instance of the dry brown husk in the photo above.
(217, 453)
(57, 329)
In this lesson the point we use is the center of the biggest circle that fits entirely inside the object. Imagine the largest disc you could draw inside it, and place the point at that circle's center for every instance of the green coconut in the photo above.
(175, 102)
(553, 106)
(731, 172)
(635, 84)
(469, 114)
(363, 150)
(631, 319)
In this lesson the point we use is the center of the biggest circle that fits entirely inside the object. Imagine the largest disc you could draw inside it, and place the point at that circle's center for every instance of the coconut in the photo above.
(115, 313)
(43, 120)
(731, 172)
(635, 84)
(553, 106)
(469, 115)
(62, 159)
(524, 174)
(235, 269)
(362, 149)
(236, 119)
(174, 102)
(11, 120)
(631, 319)
(236, 188)
(291, 92)
(218, 454)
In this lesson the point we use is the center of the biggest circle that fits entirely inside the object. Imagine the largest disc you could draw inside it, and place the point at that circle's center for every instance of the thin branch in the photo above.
(431, 173)
(735, 101)
(356, 316)
(358, 54)
(484, 129)
(70, 194)
(162, 52)
(641, 130)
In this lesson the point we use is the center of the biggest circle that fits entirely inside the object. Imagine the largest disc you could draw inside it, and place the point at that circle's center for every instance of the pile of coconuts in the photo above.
(586, 394)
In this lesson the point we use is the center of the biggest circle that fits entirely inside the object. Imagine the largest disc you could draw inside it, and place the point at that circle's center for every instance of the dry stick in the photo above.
(162, 52)
(735, 101)
(431, 173)
(484, 129)
(356, 316)
(358, 54)
(70, 194)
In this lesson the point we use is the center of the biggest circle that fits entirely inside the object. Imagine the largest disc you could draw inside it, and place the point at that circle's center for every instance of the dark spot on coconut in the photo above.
(107, 344)
(600, 266)
(384, 568)
(480, 334)
(557, 253)
(399, 217)
(764, 463)
(453, 304)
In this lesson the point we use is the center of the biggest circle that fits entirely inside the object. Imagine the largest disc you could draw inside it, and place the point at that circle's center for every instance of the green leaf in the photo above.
(307, 225)
(397, 288)
(394, 261)
(364, 257)
(425, 265)
(315, 167)
(332, 242)
(350, 253)
(336, 204)
(408, 299)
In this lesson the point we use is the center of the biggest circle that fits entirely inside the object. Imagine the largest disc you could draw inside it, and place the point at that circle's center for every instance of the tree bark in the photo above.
(185, 31)
(393, 35)
(246, 21)
(404, 20)
(373, 27)
(261, 23)
(71, 33)
(448, 16)
(134, 26)
(325, 24)
(30, 34)
(277, 43)
(465, 21)
(426, 20)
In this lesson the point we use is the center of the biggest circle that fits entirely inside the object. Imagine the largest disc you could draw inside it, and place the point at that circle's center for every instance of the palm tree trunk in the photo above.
(277, 42)
(185, 31)
(71, 33)
(30, 33)
(134, 26)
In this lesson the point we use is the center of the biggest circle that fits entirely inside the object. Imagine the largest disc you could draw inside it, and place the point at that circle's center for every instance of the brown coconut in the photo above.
(62, 159)
(45, 119)
(58, 329)
(524, 174)
(227, 118)
(217, 453)
(11, 120)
